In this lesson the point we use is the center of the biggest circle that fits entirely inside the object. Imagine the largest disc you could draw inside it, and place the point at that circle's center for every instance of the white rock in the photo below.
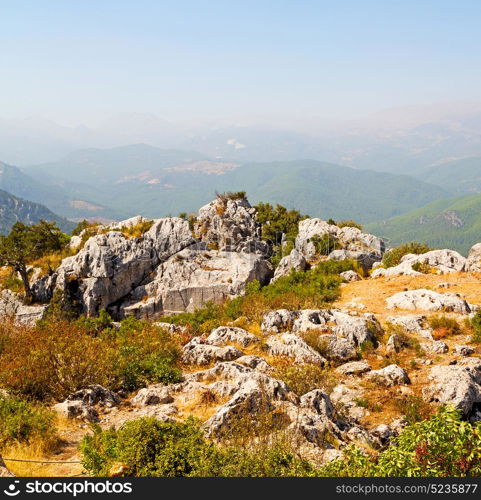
(292, 346)
(389, 376)
(428, 300)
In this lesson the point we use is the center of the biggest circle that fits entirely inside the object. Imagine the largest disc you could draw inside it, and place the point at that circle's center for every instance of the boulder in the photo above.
(356, 327)
(77, 409)
(294, 261)
(395, 344)
(337, 349)
(193, 277)
(231, 335)
(437, 347)
(458, 385)
(412, 323)
(292, 346)
(353, 368)
(463, 350)
(11, 305)
(95, 395)
(389, 376)
(444, 261)
(256, 363)
(366, 248)
(197, 352)
(473, 262)
(350, 276)
(153, 395)
(429, 300)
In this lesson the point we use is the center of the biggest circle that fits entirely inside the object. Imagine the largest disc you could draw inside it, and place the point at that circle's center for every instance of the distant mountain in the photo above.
(141, 179)
(13, 209)
(459, 176)
(449, 223)
(53, 195)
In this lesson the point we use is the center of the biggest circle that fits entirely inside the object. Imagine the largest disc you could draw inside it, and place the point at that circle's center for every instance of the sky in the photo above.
(219, 60)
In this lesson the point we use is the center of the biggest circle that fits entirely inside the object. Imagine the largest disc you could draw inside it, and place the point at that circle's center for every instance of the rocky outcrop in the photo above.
(198, 352)
(350, 276)
(356, 327)
(473, 262)
(337, 349)
(352, 243)
(427, 300)
(459, 385)
(193, 277)
(389, 376)
(231, 335)
(292, 346)
(11, 305)
(230, 225)
(442, 261)
(353, 368)
(294, 261)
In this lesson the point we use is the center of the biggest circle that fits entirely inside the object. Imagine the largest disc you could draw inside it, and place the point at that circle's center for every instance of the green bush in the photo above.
(148, 447)
(476, 326)
(325, 244)
(393, 257)
(349, 223)
(443, 446)
(20, 421)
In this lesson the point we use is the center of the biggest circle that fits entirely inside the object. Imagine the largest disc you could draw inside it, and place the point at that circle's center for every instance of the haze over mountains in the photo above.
(389, 171)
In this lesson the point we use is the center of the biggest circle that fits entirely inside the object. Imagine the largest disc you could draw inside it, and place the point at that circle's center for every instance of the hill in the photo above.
(141, 179)
(13, 209)
(449, 223)
(459, 177)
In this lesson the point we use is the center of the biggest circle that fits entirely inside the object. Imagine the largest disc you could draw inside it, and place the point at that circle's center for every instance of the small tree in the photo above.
(24, 244)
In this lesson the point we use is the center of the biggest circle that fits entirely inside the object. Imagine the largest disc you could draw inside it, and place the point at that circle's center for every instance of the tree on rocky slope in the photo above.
(24, 244)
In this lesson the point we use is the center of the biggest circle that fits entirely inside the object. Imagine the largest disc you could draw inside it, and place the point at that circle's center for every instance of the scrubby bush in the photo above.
(475, 324)
(325, 244)
(349, 223)
(57, 358)
(444, 326)
(393, 257)
(22, 422)
(148, 447)
(443, 446)
(303, 378)
(413, 407)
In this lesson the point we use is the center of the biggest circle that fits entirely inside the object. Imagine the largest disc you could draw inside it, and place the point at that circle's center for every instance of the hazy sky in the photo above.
(221, 59)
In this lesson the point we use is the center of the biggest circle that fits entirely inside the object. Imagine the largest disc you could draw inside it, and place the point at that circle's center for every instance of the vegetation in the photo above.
(349, 223)
(476, 326)
(24, 244)
(22, 422)
(279, 227)
(393, 257)
(325, 244)
(302, 378)
(442, 446)
(148, 447)
(444, 326)
(57, 358)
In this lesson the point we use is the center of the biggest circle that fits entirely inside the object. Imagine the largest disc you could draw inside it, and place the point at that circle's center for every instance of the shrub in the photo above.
(325, 244)
(444, 445)
(365, 402)
(349, 223)
(57, 358)
(148, 447)
(393, 257)
(302, 378)
(414, 408)
(443, 326)
(476, 326)
(200, 321)
(21, 422)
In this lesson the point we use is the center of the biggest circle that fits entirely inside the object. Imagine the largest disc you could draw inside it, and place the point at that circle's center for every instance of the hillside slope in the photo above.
(13, 209)
(449, 223)
(149, 181)
(459, 177)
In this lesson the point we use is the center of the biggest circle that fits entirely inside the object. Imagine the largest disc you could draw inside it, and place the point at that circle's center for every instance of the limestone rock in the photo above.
(412, 323)
(153, 395)
(459, 385)
(337, 348)
(444, 261)
(428, 300)
(228, 334)
(77, 409)
(353, 368)
(350, 276)
(389, 376)
(11, 305)
(292, 346)
(230, 225)
(463, 350)
(395, 344)
(295, 260)
(366, 248)
(193, 277)
(199, 353)
(95, 394)
(437, 346)
(473, 262)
